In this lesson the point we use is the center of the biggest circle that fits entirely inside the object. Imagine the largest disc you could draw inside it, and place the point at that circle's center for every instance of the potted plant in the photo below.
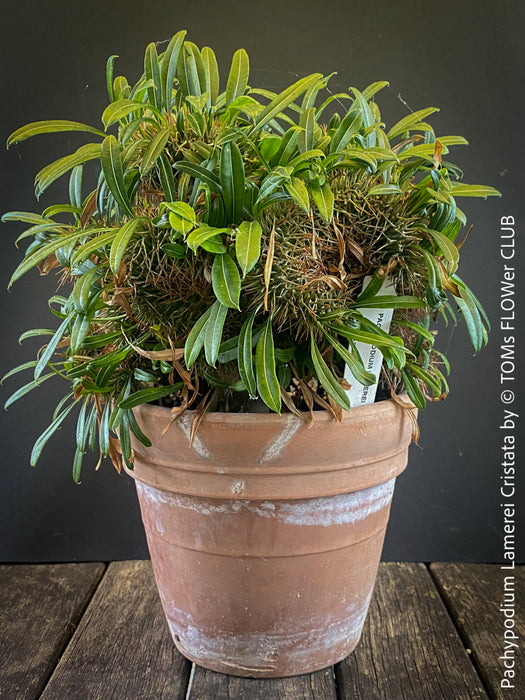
(225, 296)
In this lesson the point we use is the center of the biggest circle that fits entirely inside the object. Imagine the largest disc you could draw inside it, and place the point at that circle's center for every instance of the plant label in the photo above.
(359, 394)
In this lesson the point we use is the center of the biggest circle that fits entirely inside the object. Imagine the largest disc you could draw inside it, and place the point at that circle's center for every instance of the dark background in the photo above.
(464, 57)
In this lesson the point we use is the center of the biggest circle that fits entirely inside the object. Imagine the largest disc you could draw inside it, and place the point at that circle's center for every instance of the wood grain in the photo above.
(410, 649)
(473, 594)
(217, 686)
(122, 648)
(40, 605)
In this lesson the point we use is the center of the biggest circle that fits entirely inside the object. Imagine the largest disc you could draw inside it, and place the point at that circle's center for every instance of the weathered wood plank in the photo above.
(206, 684)
(474, 594)
(122, 648)
(410, 649)
(40, 605)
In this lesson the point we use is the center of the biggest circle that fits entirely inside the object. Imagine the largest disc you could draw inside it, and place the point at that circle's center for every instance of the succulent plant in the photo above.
(222, 255)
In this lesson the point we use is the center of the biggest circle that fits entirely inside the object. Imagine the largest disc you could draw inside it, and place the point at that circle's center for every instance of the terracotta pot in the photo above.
(265, 535)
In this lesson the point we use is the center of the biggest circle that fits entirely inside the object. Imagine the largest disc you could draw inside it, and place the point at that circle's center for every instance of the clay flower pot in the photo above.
(265, 536)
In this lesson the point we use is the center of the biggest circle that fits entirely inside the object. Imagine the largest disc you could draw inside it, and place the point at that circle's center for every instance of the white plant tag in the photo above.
(359, 394)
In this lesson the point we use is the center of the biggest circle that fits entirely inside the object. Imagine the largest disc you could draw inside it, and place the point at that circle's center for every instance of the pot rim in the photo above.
(387, 406)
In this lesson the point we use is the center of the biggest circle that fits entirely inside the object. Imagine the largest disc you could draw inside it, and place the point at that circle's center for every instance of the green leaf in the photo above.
(472, 318)
(200, 173)
(325, 376)
(284, 100)
(232, 181)
(27, 388)
(82, 290)
(214, 327)
(354, 363)
(448, 249)
(182, 216)
(20, 368)
(461, 190)
(207, 237)
(48, 432)
(410, 121)
(267, 381)
(59, 167)
(211, 72)
(109, 77)
(148, 395)
(175, 250)
(122, 108)
(49, 127)
(248, 245)
(305, 139)
(42, 253)
(379, 339)
(413, 390)
(168, 67)
(155, 148)
(103, 431)
(25, 216)
(245, 356)
(380, 190)
(348, 128)
(97, 243)
(323, 198)
(166, 177)
(152, 74)
(299, 193)
(226, 281)
(111, 160)
(195, 339)
(120, 243)
(238, 77)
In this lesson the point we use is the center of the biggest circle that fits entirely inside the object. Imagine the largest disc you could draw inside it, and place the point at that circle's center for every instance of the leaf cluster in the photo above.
(221, 257)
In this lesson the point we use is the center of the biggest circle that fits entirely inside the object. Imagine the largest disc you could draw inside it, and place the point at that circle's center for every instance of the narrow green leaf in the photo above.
(214, 327)
(267, 381)
(60, 167)
(49, 127)
(226, 281)
(284, 100)
(42, 253)
(248, 245)
(410, 121)
(103, 430)
(305, 140)
(299, 193)
(461, 190)
(323, 198)
(325, 376)
(152, 74)
(413, 390)
(200, 173)
(354, 363)
(48, 432)
(50, 348)
(168, 66)
(389, 301)
(82, 290)
(238, 77)
(27, 388)
(381, 190)
(232, 181)
(155, 148)
(195, 339)
(211, 71)
(148, 395)
(109, 77)
(111, 160)
(245, 356)
(20, 368)
(166, 177)
(120, 243)
(122, 108)
(25, 216)
(97, 243)
(448, 249)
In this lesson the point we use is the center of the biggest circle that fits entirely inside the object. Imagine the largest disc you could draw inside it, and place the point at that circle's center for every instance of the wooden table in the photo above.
(89, 631)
